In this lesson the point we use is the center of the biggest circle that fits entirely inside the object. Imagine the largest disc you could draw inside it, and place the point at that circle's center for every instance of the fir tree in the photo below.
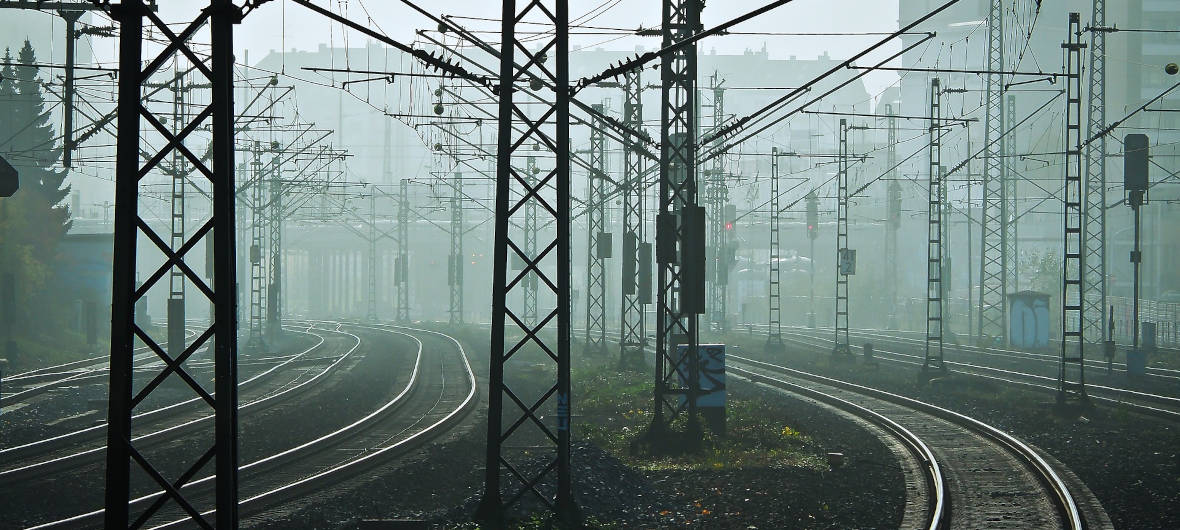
(34, 150)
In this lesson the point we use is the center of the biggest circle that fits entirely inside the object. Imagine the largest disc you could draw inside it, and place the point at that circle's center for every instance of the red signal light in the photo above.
(729, 226)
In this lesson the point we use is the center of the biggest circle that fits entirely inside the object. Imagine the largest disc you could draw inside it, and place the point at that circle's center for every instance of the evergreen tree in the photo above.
(34, 150)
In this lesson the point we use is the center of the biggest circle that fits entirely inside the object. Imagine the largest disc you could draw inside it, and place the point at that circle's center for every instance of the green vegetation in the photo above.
(34, 220)
(614, 409)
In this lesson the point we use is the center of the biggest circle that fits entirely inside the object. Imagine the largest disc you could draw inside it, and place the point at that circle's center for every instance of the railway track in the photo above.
(439, 391)
(86, 445)
(973, 475)
(1148, 403)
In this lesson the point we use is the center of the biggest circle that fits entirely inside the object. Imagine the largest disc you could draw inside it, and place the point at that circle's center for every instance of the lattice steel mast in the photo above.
(842, 344)
(255, 341)
(934, 252)
(636, 292)
(180, 172)
(457, 259)
(717, 196)
(993, 253)
(121, 446)
(1094, 272)
(402, 260)
(371, 258)
(679, 228)
(530, 244)
(597, 240)
(546, 123)
(774, 338)
(1011, 212)
(274, 290)
(892, 215)
(1071, 379)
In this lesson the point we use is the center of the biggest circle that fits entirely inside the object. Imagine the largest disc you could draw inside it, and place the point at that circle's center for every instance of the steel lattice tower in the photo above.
(257, 244)
(1071, 380)
(274, 290)
(842, 344)
(774, 338)
(597, 240)
(717, 195)
(530, 245)
(371, 258)
(634, 293)
(125, 395)
(541, 419)
(179, 172)
(1011, 212)
(401, 263)
(993, 256)
(679, 228)
(1094, 293)
(457, 259)
(892, 215)
(934, 232)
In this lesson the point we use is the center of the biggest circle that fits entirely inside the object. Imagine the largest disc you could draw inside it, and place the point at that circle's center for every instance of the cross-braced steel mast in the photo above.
(993, 256)
(457, 259)
(180, 174)
(539, 420)
(274, 289)
(597, 240)
(125, 395)
(934, 232)
(529, 289)
(401, 264)
(1071, 379)
(774, 338)
(842, 344)
(636, 292)
(679, 229)
(256, 342)
(1011, 213)
(1094, 292)
(371, 258)
(717, 196)
(892, 215)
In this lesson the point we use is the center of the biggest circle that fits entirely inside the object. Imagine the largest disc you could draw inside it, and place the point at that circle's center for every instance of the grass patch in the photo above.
(614, 412)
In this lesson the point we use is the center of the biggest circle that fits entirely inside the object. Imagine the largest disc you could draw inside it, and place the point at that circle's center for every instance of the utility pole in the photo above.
(717, 196)
(402, 262)
(1071, 380)
(1094, 294)
(530, 244)
(371, 257)
(812, 235)
(892, 215)
(597, 239)
(636, 262)
(774, 338)
(845, 257)
(679, 230)
(457, 258)
(255, 342)
(1011, 212)
(274, 290)
(179, 174)
(993, 241)
(546, 122)
(933, 361)
(122, 448)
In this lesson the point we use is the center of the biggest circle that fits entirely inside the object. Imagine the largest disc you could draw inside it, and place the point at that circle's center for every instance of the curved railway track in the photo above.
(87, 444)
(439, 391)
(1149, 403)
(976, 476)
